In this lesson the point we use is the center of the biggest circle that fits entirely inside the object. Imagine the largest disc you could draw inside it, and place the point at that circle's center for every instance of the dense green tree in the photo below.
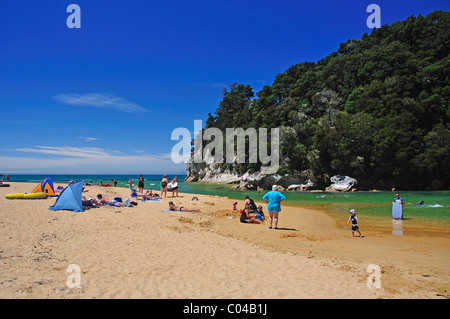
(376, 109)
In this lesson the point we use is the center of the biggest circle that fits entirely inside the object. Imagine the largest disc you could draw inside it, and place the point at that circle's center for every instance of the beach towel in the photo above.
(127, 202)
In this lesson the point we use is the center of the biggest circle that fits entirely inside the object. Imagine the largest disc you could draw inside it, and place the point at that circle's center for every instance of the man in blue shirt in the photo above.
(398, 199)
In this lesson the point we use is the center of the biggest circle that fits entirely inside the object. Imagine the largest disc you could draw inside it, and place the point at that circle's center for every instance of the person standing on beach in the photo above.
(355, 224)
(174, 186)
(164, 183)
(273, 199)
(141, 184)
(399, 200)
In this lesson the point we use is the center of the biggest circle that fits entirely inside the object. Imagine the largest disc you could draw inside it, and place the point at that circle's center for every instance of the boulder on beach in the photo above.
(341, 183)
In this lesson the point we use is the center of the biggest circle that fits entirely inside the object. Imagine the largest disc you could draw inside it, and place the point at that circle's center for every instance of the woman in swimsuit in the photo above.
(174, 208)
(141, 184)
(164, 183)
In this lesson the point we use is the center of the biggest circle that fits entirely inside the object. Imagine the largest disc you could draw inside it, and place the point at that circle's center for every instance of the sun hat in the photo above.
(235, 202)
(274, 187)
(352, 211)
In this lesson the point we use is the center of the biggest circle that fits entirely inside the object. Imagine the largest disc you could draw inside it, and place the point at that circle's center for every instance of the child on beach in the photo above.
(234, 205)
(260, 213)
(355, 224)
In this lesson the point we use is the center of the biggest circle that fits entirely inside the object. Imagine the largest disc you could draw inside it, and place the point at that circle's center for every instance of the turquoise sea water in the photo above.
(370, 206)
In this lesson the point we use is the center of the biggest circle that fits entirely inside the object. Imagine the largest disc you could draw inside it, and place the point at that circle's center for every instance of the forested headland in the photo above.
(377, 109)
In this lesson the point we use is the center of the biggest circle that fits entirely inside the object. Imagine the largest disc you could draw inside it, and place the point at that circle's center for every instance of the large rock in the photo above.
(210, 172)
(301, 187)
(341, 183)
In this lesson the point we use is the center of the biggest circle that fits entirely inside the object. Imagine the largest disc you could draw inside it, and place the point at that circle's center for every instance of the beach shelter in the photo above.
(70, 198)
(46, 186)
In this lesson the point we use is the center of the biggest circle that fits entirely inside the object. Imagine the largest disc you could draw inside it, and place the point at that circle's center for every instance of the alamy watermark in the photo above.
(374, 280)
(74, 19)
(373, 20)
(258, 146)
(74, 280)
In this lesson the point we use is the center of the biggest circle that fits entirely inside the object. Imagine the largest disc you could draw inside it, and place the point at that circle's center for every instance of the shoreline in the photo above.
(204, 253)
(331, 191)
(376, 223)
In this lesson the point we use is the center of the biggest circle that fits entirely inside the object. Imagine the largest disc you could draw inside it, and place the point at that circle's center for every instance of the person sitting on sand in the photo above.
(174, 208)
(89, 202)
(250, 204)
(247, 218)
(259, 213)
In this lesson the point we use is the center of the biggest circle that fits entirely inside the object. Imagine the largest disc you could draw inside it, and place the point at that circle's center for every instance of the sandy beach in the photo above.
(143, 252)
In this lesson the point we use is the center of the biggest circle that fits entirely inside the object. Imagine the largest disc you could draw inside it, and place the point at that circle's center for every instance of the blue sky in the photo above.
(105, 98)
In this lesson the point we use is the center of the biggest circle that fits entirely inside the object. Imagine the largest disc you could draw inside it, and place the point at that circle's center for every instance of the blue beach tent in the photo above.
(70, 198)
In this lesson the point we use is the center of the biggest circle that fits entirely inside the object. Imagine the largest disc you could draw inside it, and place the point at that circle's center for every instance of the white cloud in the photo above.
(68, 151)
(100, 100)
(89, 139)
(88, 160)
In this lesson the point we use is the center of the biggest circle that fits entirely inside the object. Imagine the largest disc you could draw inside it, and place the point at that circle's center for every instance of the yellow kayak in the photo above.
(26, 196)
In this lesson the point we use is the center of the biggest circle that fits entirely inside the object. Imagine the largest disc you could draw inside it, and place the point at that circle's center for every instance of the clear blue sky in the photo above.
(105, 98)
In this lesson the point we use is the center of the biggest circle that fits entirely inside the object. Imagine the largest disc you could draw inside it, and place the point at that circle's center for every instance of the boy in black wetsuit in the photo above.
(354, 220)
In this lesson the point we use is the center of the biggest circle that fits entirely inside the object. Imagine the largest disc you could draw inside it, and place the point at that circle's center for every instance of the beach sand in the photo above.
(143, 252)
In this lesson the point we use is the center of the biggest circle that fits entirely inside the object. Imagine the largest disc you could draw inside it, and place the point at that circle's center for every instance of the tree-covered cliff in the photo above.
(377, 109)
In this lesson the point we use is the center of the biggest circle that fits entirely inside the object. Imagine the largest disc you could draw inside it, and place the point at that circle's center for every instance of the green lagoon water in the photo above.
(374, 207)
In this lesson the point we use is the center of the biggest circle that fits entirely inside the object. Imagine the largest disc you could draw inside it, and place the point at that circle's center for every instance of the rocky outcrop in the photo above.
(341, 183)
(301, 187)
(213, 173)
(210, 173)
